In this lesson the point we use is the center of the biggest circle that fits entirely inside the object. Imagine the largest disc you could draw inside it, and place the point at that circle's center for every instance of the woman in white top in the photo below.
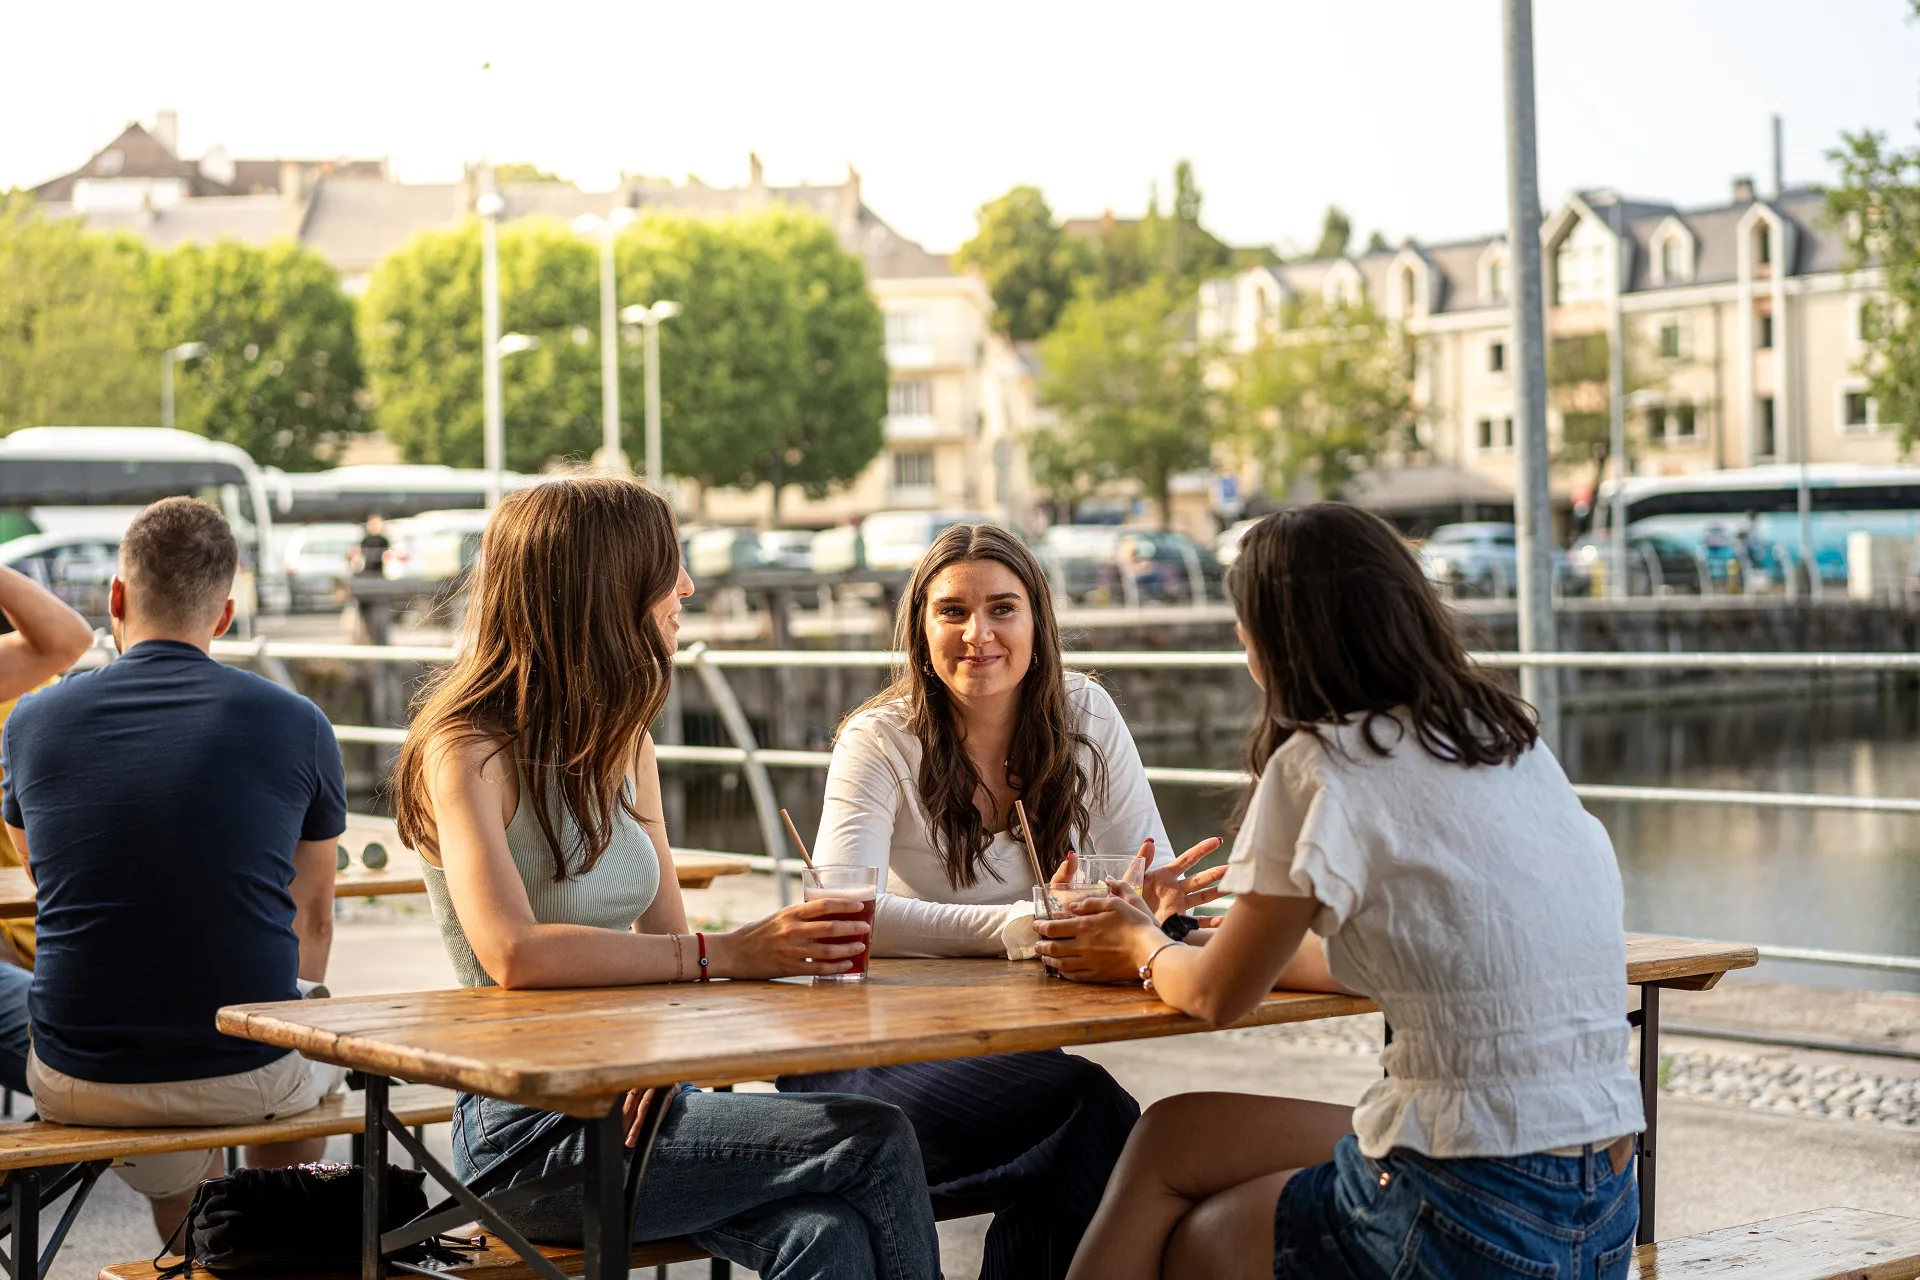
(922, 787)
(1407, 814)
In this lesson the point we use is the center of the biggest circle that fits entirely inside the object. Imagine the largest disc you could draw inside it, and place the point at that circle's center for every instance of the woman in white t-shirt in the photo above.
(922, 787)
(1407, 814)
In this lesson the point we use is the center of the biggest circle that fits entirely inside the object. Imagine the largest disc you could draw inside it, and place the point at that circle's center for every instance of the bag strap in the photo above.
(184, 1267)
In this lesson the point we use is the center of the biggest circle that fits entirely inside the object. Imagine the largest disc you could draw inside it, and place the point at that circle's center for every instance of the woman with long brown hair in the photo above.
(1407, 813)
(921, 787)
(528, 783)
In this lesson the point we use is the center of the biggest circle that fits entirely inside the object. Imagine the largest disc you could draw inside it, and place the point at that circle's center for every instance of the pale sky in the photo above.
(1390, 108)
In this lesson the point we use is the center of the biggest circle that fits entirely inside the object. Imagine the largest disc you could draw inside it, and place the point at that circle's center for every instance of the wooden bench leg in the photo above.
(24, 1264)
(1648, 1020)
(373, 1163)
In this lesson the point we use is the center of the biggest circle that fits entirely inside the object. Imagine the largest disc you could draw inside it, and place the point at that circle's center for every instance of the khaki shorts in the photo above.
(284, 1087)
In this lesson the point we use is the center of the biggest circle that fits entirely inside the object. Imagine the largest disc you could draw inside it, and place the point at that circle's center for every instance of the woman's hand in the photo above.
(1103, 939)
(794, 940)
(1169, 890)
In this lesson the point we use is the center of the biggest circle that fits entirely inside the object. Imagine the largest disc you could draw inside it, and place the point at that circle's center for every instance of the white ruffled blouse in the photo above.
(1481, 908)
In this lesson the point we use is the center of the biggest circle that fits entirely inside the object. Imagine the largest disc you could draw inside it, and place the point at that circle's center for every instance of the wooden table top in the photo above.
(574, 1050)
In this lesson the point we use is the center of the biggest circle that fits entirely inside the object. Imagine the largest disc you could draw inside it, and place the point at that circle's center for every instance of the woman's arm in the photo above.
(47, 636)
(474, 790)
(857, 828)
(668, 914)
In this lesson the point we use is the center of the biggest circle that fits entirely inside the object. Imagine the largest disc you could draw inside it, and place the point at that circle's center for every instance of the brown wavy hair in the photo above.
(562, 663)
(1044, 760)
(1344, 624)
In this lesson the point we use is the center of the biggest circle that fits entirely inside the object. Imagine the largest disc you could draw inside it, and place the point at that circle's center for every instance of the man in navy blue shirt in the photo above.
(179, 819)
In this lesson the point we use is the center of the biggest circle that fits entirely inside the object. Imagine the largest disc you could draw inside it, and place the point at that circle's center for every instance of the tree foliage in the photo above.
(774, 363)
(75, 325)
(1877, 202)
(1336, 232)
(1131, 396)
(281, 376)
(1032, 266)
(523, 172)
(1324, 395)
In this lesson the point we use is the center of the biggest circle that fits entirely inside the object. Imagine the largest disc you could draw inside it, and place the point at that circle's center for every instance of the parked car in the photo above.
(1079, 559)
(788, 548)
(76, 567)
(1167, 567)
(1657, 564)
(313, 561)
(713, 552)
(1479, 559)
(434, 545)
(885, 540)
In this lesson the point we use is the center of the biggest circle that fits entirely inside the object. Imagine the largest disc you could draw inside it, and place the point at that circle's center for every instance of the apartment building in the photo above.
(1742, 333)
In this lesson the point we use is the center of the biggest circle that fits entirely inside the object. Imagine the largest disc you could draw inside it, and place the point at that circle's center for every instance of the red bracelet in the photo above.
(705, 973)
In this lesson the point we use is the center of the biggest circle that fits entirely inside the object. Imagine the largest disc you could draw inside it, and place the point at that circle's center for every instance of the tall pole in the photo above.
(1617, 412)
(166, 388)
(1532, 498)
(494, 426)
(654, 478)
(610, 459)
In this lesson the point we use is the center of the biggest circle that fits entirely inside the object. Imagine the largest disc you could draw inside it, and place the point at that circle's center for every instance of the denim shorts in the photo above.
(1408, 1215)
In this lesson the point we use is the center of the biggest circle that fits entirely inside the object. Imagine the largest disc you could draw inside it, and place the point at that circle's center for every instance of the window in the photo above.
(1496, 357)
(1409, 292)
(111, 163)
(1672, 424)
(913, 470)
(906, 329)
(1763, 446)
(1497, 281)
(1671, 344)
(1580, 264)
(1494, 434)
(1671, 263)
(1857, 412)
(1762, 244)
(1763, 333)
(910, 399)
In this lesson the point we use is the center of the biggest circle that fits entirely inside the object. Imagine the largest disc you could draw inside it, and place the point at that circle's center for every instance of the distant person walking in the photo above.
(369, 559)
(179, 818)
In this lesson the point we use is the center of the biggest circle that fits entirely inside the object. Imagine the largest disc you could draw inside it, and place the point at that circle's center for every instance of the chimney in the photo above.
(1779, 164)
(756, 172)
(166, 129)
(1743, 190)
(293, 185)
(848, 213)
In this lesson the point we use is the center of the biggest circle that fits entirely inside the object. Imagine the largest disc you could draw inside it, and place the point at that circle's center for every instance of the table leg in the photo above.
(373, 1204)
(608, 1234)
(1650, 1101)
(25, 1184)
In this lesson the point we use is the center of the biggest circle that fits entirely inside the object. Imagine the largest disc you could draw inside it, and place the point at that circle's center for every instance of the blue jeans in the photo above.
(823, 1187)
(14, 1039)
(1408, 1215)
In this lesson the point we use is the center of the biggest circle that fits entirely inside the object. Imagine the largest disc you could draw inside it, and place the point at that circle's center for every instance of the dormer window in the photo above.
(1762, 244)
(1670, 268)
(1497, 280)
(111, 163)
(1408, 291)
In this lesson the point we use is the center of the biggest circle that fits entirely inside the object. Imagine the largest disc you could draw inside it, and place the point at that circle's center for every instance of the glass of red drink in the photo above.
(860, 884)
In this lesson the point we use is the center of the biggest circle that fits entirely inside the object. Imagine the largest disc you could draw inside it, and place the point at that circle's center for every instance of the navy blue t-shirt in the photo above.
(162, 797)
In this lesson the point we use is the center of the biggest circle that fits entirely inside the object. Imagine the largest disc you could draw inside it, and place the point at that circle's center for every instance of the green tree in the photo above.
(281, 377)
(1324, 395)
(1187, 253)
(1578, 368)
(1031, 265)
(522, 172)
(837, 425)
(1877, 202)
(1336, 232)
(75, 325)
(1131, 395)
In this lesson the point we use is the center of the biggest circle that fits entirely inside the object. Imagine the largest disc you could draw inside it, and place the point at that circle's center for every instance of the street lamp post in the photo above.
(185, 351)
(490, 206)
(608, 229)
(650, 318)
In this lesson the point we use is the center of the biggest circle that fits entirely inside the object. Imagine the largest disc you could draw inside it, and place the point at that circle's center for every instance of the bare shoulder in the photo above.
(463, 754)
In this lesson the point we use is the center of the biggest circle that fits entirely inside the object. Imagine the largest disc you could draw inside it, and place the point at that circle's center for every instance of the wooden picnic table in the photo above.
(578, 1052)
(694, 871)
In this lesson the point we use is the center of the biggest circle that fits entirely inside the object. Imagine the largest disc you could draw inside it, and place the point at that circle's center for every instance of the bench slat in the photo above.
(495, 1262)
(1825, 1244)
(31, 1143)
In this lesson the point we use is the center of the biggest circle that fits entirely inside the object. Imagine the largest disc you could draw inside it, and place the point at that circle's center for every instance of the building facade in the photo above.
(1740, 326)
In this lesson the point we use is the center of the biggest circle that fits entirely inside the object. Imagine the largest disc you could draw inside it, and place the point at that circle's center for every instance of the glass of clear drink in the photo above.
(1051, 901)
(1102, 867)
(859, 884)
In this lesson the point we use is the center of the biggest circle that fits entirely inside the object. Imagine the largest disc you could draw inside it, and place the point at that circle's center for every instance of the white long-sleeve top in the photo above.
(874, 817)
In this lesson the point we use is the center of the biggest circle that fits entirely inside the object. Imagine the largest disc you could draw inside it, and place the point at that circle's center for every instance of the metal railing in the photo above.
(754, 760)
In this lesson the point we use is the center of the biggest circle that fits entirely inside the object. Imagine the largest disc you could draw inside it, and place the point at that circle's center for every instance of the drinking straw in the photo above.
(794, 834)
(1026, 830)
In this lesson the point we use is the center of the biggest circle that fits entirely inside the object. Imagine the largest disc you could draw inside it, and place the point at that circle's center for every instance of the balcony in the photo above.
(910, 355)
(911, 426)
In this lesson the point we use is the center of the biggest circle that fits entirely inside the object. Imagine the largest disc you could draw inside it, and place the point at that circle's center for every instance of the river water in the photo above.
(1843, 881)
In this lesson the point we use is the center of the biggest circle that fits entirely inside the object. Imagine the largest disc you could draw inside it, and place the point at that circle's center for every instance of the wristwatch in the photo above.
(1177, 926)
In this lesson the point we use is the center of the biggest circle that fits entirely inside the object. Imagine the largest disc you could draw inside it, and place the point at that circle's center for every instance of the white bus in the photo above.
(395, 492)
(93, 480)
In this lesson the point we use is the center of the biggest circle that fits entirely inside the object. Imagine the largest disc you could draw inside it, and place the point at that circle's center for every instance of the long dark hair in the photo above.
(563, 662)
(1044, 759)
(1344, 624)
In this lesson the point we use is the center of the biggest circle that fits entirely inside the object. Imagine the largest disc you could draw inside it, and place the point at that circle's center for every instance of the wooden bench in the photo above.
(85, 1152)
(1826, 1244)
